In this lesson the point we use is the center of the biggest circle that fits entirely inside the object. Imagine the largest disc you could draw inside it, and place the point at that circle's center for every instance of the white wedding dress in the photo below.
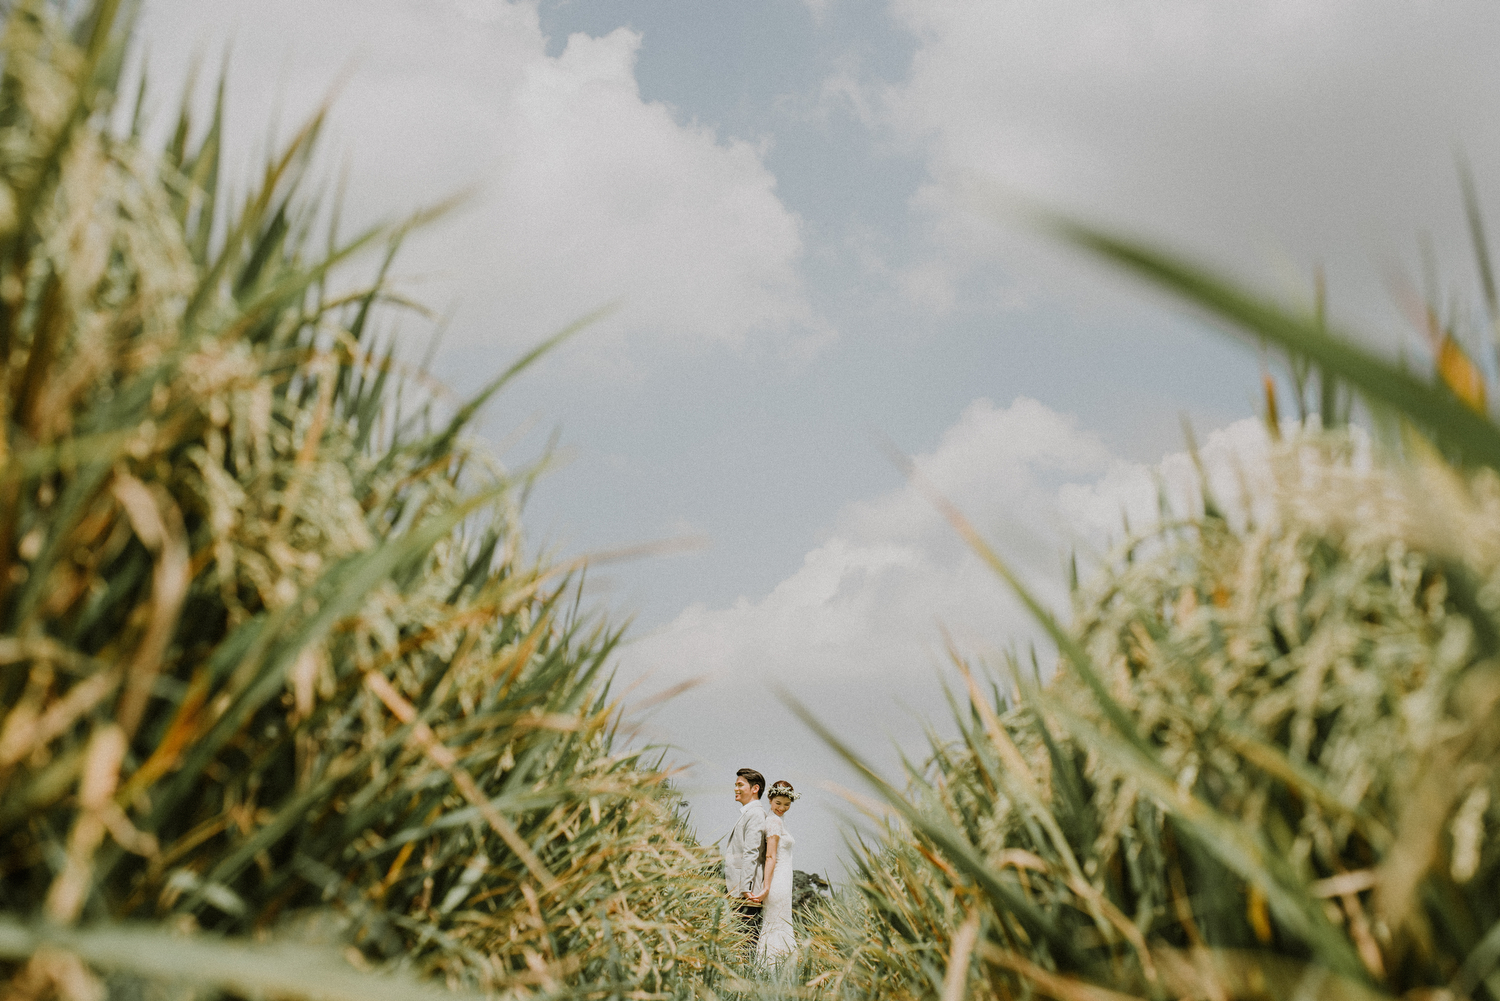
(776, 938)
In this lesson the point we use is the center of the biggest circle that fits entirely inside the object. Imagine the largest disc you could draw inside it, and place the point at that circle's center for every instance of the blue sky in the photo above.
(797, 206)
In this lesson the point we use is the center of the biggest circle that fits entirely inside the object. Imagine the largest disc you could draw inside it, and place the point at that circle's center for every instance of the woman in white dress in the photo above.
(776, 938)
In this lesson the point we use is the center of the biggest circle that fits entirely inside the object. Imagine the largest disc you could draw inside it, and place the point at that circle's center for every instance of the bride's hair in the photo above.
(783, 788)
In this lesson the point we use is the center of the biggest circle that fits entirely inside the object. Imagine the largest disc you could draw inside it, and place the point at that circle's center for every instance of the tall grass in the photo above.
(275, 666)
(1269, 762)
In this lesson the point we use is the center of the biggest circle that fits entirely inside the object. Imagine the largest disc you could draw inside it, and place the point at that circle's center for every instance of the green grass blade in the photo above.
(1006, 894)
(1451, 423)
(285, 970)
(1289, 898)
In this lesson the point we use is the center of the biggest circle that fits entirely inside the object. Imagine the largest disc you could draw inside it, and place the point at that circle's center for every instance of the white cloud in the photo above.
(1307, 132)
(584, 193)
(864, 606)
(818, 8)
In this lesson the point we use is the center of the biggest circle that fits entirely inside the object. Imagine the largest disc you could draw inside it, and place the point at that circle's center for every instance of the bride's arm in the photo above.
(772, 840)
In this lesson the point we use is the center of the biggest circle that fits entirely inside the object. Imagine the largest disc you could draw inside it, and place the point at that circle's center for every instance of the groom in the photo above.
(744, 870)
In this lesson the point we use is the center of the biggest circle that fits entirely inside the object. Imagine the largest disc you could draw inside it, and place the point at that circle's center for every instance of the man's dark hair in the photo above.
(754, 778)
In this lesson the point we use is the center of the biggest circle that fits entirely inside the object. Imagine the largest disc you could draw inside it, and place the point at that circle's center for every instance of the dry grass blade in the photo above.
(1050, 984)
(956, 979)
(445, 759)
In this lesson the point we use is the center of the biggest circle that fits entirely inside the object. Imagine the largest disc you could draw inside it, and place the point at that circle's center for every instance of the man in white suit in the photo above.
(744, 865)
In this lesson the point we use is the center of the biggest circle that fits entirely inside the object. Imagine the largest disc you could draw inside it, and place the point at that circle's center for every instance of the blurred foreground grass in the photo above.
(284, 699)
(1265, 768)
(1268, 765)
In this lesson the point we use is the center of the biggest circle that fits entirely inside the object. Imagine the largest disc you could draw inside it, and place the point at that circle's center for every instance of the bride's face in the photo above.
(780, 805)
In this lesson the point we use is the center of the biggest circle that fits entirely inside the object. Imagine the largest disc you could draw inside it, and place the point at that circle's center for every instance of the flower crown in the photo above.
(782, 789)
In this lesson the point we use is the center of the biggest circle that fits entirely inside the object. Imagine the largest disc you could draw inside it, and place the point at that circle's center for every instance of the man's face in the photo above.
(744, 792)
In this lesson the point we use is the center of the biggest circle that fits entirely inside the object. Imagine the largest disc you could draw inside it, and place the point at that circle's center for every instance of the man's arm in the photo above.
(750, 847)
(733, 869)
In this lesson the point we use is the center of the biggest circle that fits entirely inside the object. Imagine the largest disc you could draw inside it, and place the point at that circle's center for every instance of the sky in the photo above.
(801, 215)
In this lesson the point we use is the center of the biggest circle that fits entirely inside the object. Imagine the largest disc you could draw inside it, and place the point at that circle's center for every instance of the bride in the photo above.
(776, 939)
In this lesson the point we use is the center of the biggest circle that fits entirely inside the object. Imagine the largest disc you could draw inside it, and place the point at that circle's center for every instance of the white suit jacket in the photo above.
(742, 851)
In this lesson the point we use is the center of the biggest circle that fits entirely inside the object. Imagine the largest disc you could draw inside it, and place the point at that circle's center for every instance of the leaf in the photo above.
(1447, 417)
(284, 970)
